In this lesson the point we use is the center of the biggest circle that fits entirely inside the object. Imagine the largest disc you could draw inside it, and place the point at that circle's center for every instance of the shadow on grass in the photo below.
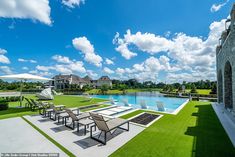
(210, 139)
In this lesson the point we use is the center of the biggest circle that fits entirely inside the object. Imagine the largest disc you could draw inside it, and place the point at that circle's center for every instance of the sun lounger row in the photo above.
(73, 118)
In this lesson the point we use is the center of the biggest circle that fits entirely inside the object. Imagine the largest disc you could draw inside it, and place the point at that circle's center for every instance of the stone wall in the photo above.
(225, 63)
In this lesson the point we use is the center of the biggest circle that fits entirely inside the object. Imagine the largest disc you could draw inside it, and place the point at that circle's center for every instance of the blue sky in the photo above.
(147, 40)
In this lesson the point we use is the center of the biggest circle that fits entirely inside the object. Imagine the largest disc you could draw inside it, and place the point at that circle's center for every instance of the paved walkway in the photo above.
(82, 145)
(17, 136)
(227, 120)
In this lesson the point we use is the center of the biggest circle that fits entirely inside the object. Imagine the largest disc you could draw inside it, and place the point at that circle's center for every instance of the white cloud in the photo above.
(92, 74)
(26, 9)
(87, 49)
(187, 54)
(3, 58)
(61, 59)
(122, 47)
(109, 61)
(108, 71)
(68, 66)
(217, 7)
(73, 3)
(27, 60)
(40, 73)
(44, 68)
(5, 70)
(25, 68)
(2, 51)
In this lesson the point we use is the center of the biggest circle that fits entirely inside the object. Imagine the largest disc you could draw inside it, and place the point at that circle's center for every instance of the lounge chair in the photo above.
(63, 115)
(125, 102)
(112, 101)
(106, 126)
(143, 104)
(160, 106)
(37, 105)
(29, 103)
(75, 118)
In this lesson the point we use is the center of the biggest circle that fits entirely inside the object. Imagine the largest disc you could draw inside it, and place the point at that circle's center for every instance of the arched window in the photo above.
(228, 91)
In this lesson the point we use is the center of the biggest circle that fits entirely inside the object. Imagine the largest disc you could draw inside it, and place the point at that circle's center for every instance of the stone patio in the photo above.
(82, 145)
(17, 136)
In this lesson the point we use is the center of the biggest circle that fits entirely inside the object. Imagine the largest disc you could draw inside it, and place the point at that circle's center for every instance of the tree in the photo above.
(104, 89)
(214, 89)
(123, 88)
(193, 88)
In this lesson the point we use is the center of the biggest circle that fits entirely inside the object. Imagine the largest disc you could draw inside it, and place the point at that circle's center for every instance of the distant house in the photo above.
(104, 80)
(64, 81)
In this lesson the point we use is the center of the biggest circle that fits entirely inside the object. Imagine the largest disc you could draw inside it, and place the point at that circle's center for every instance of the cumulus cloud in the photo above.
(122, 47)
(147, 70)
(83, 45)
(37, 10)
(61, 59)
(108, 71)
(40, 73)
(109, 61)
(92, 74)
(64, 65)
(27, 60)
(73, 3)
(217, 7)
(5, 70)
(3, 58)
(182, 52)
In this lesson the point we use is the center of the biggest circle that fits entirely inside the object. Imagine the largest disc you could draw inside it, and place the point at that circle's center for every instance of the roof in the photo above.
(87, 78)
(75, 79)
(104, 78)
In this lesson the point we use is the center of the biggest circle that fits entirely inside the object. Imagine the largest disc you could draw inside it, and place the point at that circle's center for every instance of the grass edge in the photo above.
(66, 151)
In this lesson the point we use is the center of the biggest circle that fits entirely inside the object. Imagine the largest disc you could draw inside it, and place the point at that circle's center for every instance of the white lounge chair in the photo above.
(125, 102)
(87, 96)
(112, 101)
(160, 106)
(143, 104)
(46, 94)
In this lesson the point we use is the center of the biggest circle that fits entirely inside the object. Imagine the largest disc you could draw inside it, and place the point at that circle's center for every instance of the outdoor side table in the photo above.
(84, 122)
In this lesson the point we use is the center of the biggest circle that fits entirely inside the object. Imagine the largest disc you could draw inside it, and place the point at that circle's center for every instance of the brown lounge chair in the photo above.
(75, 118)
(107, 126)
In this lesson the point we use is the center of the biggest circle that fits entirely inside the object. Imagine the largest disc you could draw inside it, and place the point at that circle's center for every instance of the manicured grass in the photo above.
(195, 131)
(68, 101)
(201, 91)
(50, 139)
(116, 91)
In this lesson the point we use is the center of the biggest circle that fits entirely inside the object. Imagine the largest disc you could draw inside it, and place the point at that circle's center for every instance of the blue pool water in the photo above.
(150, 99)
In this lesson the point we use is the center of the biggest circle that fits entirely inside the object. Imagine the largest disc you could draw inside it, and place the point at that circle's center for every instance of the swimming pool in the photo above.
(171, 104)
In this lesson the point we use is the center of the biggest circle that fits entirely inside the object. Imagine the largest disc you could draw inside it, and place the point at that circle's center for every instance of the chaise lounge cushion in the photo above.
(113, 123)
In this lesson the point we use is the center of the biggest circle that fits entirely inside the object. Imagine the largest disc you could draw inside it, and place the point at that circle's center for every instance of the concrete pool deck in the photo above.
(82, 145)
(227, 119)
(17, 136)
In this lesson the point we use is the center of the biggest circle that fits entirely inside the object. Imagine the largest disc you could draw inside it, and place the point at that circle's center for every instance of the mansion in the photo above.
(65, 81)
(225, 63)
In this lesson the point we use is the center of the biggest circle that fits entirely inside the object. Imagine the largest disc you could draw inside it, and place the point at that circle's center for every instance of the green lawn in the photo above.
(195, 131)
(116, 91)
(201, 91)
(68, 101)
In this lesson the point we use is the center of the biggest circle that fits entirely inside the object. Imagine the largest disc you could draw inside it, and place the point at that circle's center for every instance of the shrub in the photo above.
(3, 105)
(193, 89)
